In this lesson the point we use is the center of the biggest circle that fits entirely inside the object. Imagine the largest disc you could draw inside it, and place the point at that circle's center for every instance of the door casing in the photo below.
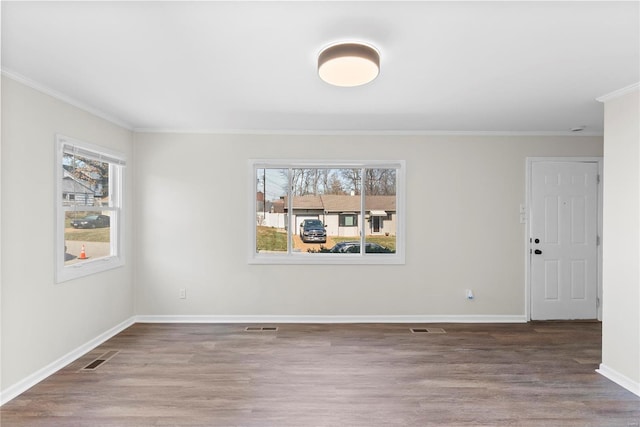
(527, 246)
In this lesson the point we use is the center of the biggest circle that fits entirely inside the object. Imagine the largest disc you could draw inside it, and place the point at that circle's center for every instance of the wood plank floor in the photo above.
(537, 374)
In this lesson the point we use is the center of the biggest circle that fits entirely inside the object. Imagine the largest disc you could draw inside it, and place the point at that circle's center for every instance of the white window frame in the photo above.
(291, 257)
(117, 163)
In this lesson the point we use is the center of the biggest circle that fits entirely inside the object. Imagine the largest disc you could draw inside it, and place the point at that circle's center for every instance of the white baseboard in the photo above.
(330, 319)
(618, 378)
(33, 379)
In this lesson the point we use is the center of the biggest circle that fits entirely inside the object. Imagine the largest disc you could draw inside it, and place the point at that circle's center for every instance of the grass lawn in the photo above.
(270, 239)
(85, 234)
(88, 234)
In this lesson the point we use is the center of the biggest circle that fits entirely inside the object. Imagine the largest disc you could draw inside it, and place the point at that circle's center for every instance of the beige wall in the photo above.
(463, 197)
(621, 240)
(41, 320)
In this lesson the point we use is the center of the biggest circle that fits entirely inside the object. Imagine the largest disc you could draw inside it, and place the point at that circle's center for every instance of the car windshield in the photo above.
(91, 217)
(314, 223)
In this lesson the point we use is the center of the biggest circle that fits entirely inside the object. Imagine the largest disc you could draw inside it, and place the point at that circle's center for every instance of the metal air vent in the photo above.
(261, 329)
(100, 360)
(427, 331)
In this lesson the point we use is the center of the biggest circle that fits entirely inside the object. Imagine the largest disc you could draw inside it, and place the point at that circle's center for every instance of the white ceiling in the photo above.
(251, 66)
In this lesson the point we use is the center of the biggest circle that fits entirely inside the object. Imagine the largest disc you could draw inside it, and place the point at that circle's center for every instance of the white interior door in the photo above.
(563, 240)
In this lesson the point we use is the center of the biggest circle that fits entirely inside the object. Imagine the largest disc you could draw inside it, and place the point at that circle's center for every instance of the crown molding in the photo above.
(64, 98)
(386, 132)
(618, 93)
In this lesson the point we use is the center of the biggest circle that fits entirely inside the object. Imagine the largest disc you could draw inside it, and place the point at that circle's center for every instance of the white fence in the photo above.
(268, 219)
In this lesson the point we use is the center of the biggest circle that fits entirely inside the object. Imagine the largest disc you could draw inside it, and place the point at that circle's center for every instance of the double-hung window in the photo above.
(326, 212)
(89, 218)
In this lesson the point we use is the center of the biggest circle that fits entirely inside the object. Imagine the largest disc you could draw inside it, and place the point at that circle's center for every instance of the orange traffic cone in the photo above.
(83, 254)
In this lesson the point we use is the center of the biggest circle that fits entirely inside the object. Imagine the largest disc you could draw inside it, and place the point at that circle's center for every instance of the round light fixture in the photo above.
(348, 64)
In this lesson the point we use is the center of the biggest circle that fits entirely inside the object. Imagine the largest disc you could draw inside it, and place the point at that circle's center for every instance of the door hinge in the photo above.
(598, 178)
(597, 302)
(597, 240)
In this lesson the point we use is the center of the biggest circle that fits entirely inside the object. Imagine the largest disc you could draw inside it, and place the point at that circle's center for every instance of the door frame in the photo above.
(527, 234)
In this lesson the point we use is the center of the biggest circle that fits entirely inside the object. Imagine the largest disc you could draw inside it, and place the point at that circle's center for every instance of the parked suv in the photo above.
(312, 230)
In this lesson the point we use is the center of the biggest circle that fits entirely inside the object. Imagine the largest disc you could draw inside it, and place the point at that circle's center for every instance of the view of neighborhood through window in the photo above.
(271, 232)
(86, 201)
(89, 188)
(380, 207)
(325, 211)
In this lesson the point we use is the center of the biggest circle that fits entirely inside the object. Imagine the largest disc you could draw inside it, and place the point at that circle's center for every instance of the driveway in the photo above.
(93, 250)
(303, 247)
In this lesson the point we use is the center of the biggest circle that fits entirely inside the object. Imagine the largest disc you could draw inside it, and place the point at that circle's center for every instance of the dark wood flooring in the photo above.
(536, 374)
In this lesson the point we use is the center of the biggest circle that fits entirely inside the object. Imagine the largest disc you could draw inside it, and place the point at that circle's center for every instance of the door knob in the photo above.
(537, 252)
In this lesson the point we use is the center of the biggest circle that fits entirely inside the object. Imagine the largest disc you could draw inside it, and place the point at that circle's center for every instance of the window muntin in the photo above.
(89, 208)
(289, 195)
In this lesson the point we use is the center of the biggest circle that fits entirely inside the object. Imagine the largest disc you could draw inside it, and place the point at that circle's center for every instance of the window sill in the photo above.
(87, 268)
(326, 259)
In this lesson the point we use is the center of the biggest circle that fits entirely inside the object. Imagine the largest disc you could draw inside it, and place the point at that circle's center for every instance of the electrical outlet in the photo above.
(183, 293)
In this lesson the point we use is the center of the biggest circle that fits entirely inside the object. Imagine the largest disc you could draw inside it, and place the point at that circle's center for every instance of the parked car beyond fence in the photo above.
(91, 221)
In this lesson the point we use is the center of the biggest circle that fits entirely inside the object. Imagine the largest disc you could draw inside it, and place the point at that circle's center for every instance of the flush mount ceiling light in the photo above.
(348, 64)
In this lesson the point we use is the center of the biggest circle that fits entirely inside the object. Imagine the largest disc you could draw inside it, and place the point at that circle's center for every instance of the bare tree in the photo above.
(351, 179)
(334, 184)
(316, 181)
(380, 182)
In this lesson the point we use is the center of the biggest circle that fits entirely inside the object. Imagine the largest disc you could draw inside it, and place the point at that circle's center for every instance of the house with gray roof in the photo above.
(76, 191)
(341, 213)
